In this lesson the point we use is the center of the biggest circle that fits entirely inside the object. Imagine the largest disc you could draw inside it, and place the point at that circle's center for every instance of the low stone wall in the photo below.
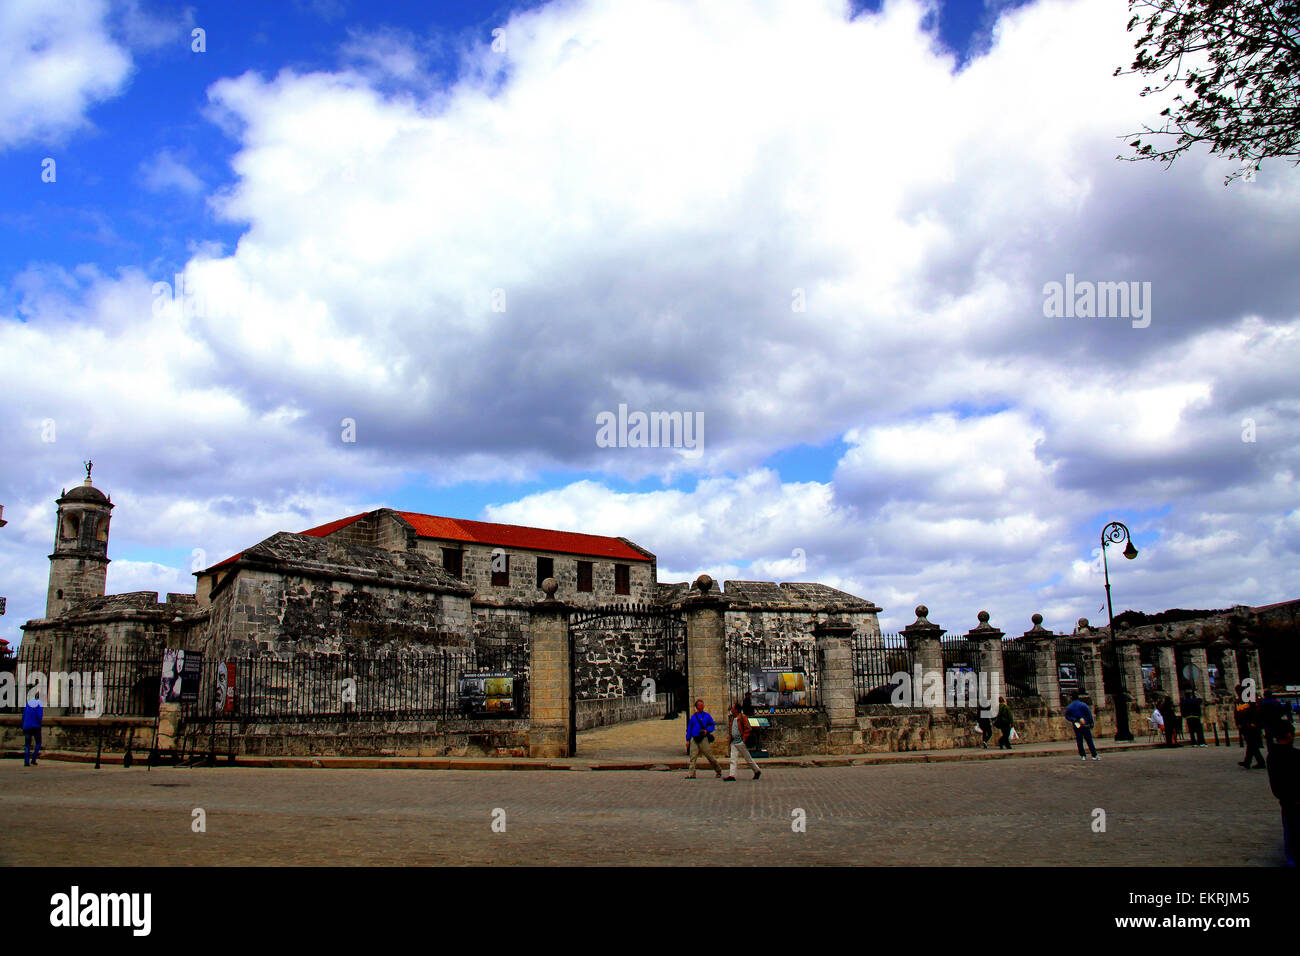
(618, 710)
(791, 735)
(359, 738)
(887, 729)
(82, 734)
(377, 738)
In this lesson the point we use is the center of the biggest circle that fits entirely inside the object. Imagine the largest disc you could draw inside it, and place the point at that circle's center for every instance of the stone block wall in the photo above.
(792, 626)
(433, 738)
(477, 572)
(285, 614)
(613, 662)
(618, 710)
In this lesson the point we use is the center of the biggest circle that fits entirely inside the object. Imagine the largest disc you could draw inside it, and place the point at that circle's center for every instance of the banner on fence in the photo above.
(492, 692)
(1067, 676)
(778, 686)
(226, 687)
(181, 671)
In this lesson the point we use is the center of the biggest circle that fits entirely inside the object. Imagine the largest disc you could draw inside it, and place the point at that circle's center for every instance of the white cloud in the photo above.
(59, 60)
(163, 171)
(649, 185)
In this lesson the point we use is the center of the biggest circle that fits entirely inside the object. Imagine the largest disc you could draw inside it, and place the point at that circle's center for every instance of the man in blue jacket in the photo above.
(32, 715)
(699, 734)
(1080, 715)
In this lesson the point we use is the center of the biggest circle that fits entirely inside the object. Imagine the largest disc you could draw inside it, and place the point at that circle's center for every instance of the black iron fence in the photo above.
(444, 683)
(1019, 670)
(114, 681)
(779, 678)
(28, 661)
(876, 659)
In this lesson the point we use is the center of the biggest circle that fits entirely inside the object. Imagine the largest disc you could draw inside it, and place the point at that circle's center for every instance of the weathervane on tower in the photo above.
(89, 465)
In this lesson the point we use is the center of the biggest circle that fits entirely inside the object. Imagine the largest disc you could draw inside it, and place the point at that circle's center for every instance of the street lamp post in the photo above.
(1114, 533)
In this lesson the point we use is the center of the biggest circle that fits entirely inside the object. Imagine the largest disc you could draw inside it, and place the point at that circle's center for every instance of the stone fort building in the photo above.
(384, 582)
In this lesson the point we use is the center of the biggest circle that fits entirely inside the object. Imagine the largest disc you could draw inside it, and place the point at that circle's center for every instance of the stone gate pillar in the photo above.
(1229, 675)
(988, 639)
(1167, 665)
(1252, 667)
(927, 654)
(1042, 644)
(1199, 660)
(834, 644)
(550, 673)
(706, 657)
(1094, 680)
(169, 714)
(1130, 670)
(60, 662)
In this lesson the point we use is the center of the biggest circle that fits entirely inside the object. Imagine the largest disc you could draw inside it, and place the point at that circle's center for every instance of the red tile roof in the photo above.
(517, 536)
(487, 532)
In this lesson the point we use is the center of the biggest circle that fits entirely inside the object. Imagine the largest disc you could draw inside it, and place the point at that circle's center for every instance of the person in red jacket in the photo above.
(740, 729)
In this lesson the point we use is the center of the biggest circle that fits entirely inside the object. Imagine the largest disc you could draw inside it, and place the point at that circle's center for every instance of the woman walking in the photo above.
(1003, 723)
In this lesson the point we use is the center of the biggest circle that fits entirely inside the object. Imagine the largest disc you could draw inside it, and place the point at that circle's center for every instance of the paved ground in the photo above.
(1166, 808)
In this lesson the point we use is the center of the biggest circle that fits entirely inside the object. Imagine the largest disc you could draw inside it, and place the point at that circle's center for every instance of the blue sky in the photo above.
(649, 188)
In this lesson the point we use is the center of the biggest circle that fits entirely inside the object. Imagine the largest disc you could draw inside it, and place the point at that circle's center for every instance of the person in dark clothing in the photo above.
(1236, 715)
(1170, 717)
(1003, 722)
(1192, 713)
(985, 725)
(1284, 781)
(33, 717)
(1272, 714)
(1248, 720)
(1080, 717)
(747, 705)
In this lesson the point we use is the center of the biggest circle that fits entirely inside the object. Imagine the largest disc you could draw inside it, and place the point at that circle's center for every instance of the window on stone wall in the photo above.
(453, 561)
(500, 569)
(545, 569)
(622, 579)
(71, 526)
(584, 576)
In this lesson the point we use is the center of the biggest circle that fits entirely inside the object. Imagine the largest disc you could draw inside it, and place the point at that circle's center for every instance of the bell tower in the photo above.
(79, 563)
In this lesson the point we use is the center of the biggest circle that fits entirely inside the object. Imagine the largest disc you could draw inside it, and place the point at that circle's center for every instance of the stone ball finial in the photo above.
(1037, 619)
(549, 587)
(983, 617)
(1083, 624)
(704, 584)
(922, 611)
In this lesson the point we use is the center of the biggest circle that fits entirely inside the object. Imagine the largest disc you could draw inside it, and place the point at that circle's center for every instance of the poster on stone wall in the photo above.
(181, 671)
(490, 692)
(226, 687)
(778, 687)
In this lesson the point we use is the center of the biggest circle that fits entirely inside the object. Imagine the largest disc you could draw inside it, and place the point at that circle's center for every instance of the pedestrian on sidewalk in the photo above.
(985, 724)
(1248, 719)
(1238, 710)
(699, 735)
(1192, 713)
(1272, 716)
(1284, 781)
(1080, 715)
(1169, 720)
(739, 731)
(33, 717)
(1003, 722)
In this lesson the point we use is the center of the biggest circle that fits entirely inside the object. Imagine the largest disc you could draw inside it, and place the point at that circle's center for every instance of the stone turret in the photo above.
(79, 564)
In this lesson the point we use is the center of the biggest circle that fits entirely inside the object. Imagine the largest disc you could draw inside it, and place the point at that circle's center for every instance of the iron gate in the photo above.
(615, 649)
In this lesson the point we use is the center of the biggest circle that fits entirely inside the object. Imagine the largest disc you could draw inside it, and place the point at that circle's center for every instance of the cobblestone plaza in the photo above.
(1180, 807)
